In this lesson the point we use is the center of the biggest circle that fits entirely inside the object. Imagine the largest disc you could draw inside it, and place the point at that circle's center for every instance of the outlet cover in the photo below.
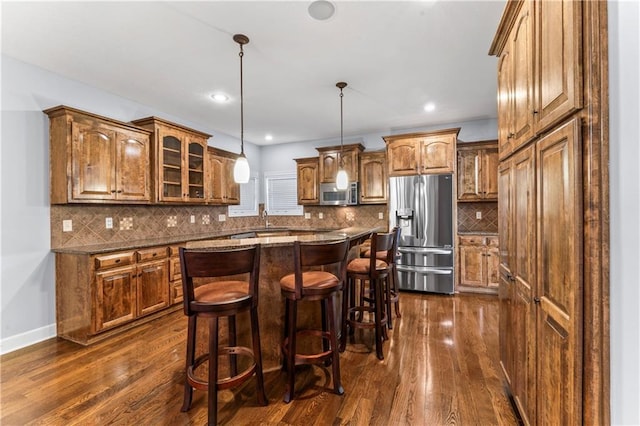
(67, 225)
(222, 218)
(108, 223)
(192, 219)
(380, 215)
(478, 215)
(307, 215)
(320, 215)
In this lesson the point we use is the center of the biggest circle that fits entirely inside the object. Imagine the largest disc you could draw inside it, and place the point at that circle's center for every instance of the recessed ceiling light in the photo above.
(219, 97)
(268, 138)
(321, 10)
(430, 107)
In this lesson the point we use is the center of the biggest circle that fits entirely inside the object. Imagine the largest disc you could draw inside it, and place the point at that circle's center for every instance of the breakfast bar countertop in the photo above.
(223, 239)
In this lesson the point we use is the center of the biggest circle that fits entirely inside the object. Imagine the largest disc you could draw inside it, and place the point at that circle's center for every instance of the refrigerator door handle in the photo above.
(424, 270)
(426, 250)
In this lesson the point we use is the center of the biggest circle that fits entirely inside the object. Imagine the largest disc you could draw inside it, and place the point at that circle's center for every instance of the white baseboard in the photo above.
(28, 338)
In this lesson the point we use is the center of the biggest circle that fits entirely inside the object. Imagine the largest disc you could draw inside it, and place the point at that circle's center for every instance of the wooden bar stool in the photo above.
(392, 295)
(311, 281)
(225, 297)
(373, 272)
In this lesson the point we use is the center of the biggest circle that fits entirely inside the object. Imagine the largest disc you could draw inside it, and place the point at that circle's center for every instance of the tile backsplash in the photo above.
(133, 222)
(467, 221)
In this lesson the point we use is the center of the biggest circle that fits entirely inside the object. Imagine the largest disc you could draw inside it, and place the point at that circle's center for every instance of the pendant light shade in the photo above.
(241, 169)
(342, 179)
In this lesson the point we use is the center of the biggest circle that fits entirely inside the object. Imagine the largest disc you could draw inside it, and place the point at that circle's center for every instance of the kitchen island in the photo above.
(276, 260)
(102, 290)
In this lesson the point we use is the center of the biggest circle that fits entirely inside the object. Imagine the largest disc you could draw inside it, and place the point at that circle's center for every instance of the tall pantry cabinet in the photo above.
(553, 209)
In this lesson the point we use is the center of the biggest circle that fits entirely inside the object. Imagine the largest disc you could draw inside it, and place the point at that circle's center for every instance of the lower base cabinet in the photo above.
(478, 259)
(99, 293)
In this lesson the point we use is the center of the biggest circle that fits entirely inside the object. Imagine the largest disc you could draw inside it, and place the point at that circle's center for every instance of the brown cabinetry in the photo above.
(175, 275)
(96, 294)
(97, 159)
(421, 153)
(478, 171)
(373, 178)
(540, 70)
(330, 158)
(179, 164)
(221, 186)
(478, 258)
(307, 180)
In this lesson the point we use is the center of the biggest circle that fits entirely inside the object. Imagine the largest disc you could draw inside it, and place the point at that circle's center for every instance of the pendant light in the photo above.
(342, 179)
(241, 170)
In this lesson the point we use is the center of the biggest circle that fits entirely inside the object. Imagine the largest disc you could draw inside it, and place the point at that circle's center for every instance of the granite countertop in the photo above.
(319, 234)
(487, 233)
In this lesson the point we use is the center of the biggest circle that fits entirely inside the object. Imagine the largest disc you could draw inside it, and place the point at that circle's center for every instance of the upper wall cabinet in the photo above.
(421, 153)
(308, 185)
(221, 187)
(179, 165)
(330, 158)
(539, 71)
(95, 159)
(478, 171)
(373, 178)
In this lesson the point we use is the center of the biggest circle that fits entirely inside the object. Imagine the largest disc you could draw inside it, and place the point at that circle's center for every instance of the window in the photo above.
(248, 199)
(281, 194)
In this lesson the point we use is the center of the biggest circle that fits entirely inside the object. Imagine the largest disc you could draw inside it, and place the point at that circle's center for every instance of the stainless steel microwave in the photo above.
(331, 196)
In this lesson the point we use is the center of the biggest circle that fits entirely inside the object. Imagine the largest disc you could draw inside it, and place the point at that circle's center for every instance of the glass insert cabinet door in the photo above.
(195, 160)
(182, 172)
(171, 168)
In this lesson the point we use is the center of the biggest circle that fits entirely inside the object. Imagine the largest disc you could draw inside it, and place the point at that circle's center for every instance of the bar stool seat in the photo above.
(373, 272)
(216, 298)
(306, 284)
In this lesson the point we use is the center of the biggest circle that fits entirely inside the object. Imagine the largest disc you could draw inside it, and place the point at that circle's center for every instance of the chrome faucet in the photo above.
(265, 216)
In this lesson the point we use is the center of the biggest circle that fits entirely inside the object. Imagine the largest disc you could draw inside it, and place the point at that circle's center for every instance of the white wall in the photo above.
(624, 174)
(27, 282)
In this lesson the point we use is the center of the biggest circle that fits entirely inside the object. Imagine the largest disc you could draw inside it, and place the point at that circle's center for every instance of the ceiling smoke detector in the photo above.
(321, 10)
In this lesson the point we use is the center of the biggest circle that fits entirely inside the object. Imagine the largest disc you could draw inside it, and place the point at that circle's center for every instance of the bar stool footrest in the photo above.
(226, 382)
(309, 358)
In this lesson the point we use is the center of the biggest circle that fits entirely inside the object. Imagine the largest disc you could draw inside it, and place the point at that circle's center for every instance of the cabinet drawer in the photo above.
(152, 253)
(115, 259)
(492, 241)
(174, 250)
(471, 240)
(175, 273)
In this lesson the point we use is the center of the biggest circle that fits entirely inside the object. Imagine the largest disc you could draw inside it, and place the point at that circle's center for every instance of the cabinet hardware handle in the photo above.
(535, 111)
(113, 191)
(117, 260)
(536, 300)
(510, 135)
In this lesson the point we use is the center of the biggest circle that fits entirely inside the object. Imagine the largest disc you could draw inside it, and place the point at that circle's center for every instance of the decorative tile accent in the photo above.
(467, 221)
(153, 221)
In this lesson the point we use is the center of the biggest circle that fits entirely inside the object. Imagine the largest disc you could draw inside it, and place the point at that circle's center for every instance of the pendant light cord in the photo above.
(241, 54)
(341, 129)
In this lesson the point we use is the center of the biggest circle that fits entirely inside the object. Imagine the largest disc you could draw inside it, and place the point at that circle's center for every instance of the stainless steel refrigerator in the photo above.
(422, 206)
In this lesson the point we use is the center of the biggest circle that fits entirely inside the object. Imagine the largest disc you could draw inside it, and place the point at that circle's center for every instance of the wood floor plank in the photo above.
(441, 367)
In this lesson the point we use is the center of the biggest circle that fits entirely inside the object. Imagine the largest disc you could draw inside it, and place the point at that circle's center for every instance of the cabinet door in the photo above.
(468, 179)
(373, 178)
(308, 186)
(402, 157)
(437, 154)
(559, 291)
(505, 327)
(132, 167)
(505, 103)
(329, 163)
(217, 179)
(194, 170)
(521, 52)
(170, 172)
(558, 61)
(472, 266)
(231, 188)
(152, 286)
(350, 162)
(489, 184)
(492, 259)
(93, 162)
(115, 297)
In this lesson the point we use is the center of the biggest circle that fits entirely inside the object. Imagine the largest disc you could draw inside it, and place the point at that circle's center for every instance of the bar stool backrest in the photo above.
(380, 242)
(216, 263)
(307, 255)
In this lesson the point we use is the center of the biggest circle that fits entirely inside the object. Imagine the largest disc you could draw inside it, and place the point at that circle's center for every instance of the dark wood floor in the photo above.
(441, 367)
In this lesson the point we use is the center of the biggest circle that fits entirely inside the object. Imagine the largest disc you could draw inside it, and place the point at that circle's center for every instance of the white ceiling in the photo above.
(395, 56)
